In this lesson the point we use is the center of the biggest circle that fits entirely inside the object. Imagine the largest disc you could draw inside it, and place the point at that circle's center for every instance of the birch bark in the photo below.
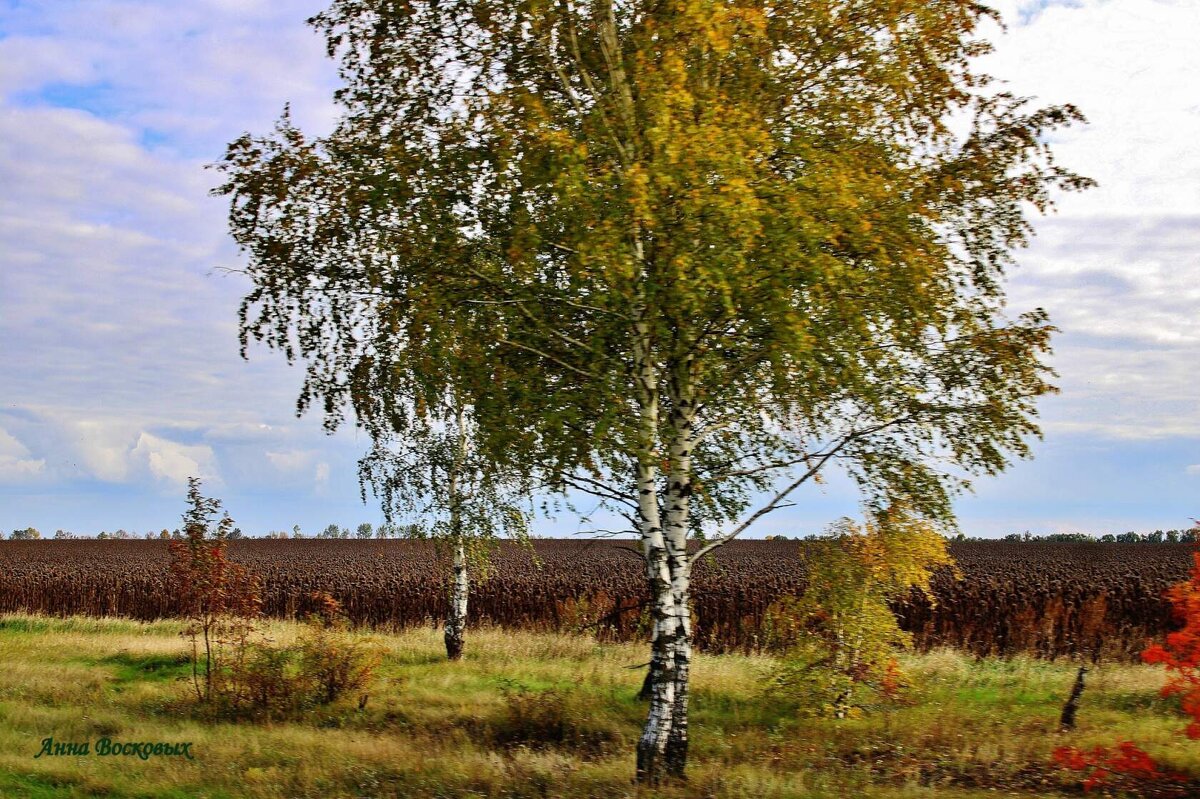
(679, 490)
(456, 613)
(652, 745)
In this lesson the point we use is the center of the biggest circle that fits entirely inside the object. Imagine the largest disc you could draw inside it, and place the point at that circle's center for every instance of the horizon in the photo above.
(1025, 536)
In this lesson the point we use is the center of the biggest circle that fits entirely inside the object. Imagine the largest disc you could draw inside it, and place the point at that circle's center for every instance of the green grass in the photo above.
(533, 715)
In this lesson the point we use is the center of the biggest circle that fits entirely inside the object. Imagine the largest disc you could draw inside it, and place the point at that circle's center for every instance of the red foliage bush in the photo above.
(1181, 651)
(1122, 766)
(1125, 765)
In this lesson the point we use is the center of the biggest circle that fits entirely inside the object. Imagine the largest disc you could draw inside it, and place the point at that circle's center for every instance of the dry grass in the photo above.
(432, 729)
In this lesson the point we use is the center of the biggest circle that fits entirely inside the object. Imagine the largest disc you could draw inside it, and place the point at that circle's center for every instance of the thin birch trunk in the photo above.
(653, 742)
(852, 656)
(208, 661)
(456, 613)
(196, 666)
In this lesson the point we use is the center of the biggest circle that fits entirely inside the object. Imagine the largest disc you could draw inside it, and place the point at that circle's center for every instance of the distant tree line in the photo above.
(363, 531)
(387, 530)
(1188, 536)
(1130, 537)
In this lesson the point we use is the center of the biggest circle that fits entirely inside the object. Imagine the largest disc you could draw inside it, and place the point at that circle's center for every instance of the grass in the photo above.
(536, 715)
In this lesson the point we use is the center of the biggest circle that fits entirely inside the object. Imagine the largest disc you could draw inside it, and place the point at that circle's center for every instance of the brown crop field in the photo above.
(1049, 599)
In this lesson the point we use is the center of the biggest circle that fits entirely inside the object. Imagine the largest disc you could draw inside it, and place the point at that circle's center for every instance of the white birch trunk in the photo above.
(677, 739)
(679, 489)
(652, 745)
(460, 585)
(456, 615)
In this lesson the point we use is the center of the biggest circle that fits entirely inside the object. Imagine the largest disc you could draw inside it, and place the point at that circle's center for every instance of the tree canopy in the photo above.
(670, 254)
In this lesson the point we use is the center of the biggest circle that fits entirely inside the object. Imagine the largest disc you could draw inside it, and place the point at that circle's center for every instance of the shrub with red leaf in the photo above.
(1180, 653)
(1123, 766)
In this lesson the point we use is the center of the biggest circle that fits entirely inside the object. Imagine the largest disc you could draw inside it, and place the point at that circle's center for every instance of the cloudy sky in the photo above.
(119, 370)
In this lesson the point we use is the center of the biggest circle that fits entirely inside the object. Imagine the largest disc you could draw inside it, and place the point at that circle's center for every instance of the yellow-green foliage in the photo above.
(846, 634)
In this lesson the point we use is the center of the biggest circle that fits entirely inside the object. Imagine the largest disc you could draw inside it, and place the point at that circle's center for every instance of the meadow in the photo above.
(536, 714)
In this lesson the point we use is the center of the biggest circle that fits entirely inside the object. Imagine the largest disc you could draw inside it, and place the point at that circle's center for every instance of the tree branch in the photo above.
(547, 356)
(777, 501)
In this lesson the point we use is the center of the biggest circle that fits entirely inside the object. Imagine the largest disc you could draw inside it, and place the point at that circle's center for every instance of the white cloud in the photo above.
(15, 463)
(1193, 469)
(123, 334)
(198, 73)
(174, 462)
(1118, 267)
(157, 453)
(1123, 292)
(1130, 66)
(292, 460)
(116, 451)
(104, 448)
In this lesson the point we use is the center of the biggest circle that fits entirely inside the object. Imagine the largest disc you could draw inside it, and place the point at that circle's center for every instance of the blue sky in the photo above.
(119, 371)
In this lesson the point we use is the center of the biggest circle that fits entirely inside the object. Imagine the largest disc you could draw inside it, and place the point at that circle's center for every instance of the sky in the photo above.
(119, 367)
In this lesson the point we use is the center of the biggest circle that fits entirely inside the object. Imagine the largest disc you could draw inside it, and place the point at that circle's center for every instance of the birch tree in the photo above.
(378, 336)
(703, 252)
(435, 473)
